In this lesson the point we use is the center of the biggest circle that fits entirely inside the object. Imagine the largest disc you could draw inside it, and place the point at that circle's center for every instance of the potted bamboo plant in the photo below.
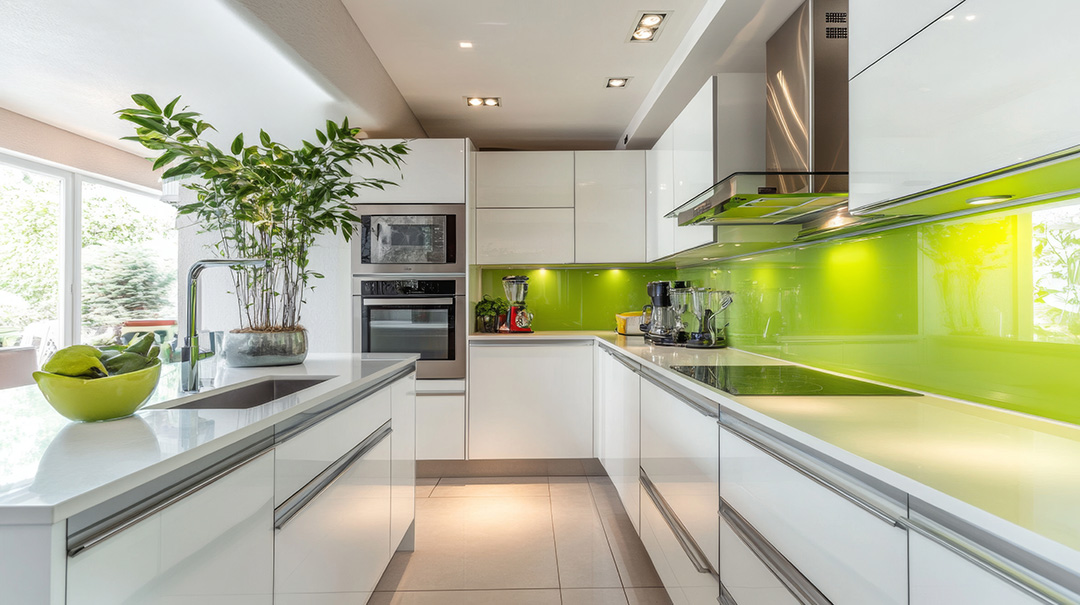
(265, 201)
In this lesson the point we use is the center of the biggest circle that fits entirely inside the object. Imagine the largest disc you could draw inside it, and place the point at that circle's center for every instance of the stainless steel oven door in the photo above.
(409, 238)
(433, 327)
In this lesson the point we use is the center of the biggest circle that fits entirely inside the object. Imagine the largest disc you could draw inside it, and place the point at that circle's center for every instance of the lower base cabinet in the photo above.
(403, 463)
(335, 548)
(746, 577)
(440, 426)
(940, 577)
(214, 546)
(686, 582)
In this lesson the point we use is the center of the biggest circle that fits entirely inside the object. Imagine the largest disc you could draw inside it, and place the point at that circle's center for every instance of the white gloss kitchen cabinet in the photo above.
(618, 434)
(433, 172)
(956, 101)
(609, 206)
(878, 27)
(524, 236)
(525, 179)
(941, 577)
(843, 544)
(530, 399)
(212, 544)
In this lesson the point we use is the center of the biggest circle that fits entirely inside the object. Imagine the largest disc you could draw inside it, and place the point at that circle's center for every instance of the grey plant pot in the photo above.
(256, 349)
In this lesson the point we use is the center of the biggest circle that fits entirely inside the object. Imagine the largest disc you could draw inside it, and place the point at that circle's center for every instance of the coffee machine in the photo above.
(661, 325)
(518, 318)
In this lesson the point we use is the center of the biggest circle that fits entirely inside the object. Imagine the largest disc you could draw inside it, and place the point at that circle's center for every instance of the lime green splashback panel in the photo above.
(984, 308)
(578, 298)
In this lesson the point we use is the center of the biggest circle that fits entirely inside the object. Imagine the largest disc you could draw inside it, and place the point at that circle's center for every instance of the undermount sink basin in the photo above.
(251, 395)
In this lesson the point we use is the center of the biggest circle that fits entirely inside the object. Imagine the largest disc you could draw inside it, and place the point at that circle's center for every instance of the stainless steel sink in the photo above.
(251, 395)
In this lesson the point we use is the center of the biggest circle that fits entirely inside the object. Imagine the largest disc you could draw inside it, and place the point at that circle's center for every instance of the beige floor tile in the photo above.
(567, 487)
(468, 597)
(585, 559)
(631, 559)
(424, 486)
(484, 487)
(647, 596)
(593, 596)
(478, 543)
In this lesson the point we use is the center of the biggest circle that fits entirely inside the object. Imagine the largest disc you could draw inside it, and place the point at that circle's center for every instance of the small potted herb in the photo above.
(488, 312)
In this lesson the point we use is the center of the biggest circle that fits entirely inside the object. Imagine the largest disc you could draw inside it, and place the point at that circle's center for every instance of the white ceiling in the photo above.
(549, 61)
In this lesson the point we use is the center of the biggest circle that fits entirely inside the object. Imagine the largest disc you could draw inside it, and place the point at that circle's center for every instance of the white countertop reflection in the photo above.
(52, 468)
(1015, 475)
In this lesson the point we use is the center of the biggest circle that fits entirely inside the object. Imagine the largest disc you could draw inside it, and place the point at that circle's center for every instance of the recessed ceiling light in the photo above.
(483, 101)
(650, 20)
(988, 199)
(643, 33)
(617, 82)
(648, 26)
(465, 44)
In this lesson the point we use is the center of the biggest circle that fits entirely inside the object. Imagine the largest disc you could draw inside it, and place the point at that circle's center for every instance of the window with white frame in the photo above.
(82, 259)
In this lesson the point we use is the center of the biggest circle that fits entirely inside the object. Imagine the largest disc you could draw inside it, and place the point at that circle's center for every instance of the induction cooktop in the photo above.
(783, 380)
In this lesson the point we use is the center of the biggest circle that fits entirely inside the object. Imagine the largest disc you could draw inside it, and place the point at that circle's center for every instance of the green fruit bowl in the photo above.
(97, 399)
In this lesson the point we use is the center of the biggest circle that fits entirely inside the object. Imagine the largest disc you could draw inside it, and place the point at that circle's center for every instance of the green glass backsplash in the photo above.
(577, 298)
(984, 308)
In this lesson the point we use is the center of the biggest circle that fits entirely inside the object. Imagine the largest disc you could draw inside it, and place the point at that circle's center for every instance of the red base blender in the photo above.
(518, 318)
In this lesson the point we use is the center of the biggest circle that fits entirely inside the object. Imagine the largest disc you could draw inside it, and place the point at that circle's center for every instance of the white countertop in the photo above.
(1014, 475)
(52, 468)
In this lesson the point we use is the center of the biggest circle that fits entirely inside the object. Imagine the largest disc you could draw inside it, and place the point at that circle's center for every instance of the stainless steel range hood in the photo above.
(805, 181)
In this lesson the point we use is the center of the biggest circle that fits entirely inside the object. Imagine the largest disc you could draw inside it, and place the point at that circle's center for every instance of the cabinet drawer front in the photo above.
(939, 577)
(619, 434)
(746, 577)
(682, 580)
(340, 542)
(301, 458)
(849, 554)
(440, 427)
(679, 450)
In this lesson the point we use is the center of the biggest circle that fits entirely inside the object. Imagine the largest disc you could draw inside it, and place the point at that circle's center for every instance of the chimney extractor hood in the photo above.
(765, 198)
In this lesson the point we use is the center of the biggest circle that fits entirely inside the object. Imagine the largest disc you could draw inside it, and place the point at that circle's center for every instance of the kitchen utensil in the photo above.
(660, 328)
(518, 318)
(629, 323)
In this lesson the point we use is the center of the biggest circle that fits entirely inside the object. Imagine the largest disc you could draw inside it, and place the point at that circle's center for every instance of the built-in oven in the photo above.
(424, 315)
(410, 238)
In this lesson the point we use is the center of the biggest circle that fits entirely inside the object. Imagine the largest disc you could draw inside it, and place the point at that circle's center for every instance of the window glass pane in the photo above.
(30, 260)
(129, 249)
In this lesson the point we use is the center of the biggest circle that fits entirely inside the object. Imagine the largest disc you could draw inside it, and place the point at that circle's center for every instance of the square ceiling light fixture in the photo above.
(620, 82)
(483, 101)
(648, 26)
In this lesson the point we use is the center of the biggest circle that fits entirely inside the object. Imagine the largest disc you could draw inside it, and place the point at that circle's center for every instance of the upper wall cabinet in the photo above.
(433, 172)
(879, 26)
(609, 207)
(986, 86)
(524, 236)
(525, 179)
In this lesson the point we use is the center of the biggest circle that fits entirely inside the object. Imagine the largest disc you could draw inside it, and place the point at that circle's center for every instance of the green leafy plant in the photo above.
(263, 201)
(491, 307)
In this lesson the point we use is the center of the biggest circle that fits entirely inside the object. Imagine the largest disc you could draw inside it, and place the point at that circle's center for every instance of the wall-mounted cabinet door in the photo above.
(524, 236)
(609, 206)
(660, 198)
(433, 172)
(525, 179)
(982, 88)
(694, 160)
(877, 27)
(530, 400)
(215, 545)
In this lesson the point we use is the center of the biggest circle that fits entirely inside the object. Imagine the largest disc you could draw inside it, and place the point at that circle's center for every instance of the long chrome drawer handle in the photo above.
(694, 401)
(299, 501)
(686, 541)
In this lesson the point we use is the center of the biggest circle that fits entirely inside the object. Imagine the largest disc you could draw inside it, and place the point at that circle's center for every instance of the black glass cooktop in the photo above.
(782, 380)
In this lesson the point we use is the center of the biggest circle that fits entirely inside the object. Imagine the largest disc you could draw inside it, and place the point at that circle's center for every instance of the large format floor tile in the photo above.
(631, 558)
(468, 597)
(581, 544)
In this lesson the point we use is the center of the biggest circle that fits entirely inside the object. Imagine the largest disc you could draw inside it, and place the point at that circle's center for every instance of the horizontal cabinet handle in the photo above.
(528, 341)
(85, 544)
(682, 535)
(411, 302)
(299, 501)
(797, 584)
(695, 401)
(876, 512)
(633, 367)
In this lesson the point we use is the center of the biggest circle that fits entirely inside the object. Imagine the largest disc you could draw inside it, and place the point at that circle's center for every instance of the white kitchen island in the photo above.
(304, 497)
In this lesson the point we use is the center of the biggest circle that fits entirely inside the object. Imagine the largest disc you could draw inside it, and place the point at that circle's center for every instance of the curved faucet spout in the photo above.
(189, 373)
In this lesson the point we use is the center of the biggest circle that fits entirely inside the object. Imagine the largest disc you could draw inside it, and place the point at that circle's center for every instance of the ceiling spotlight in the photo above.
(492, 102)
(483, 101)
(465, 44)
(617, 82)
(651, 20)
(475, 101)
(643, 33)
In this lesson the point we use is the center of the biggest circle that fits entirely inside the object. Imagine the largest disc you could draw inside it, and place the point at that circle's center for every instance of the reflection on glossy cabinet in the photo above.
(619, 437)
(609, 206)
(531, 401)
(685, 584)
(660, 198)
(878, 27)
(524, 236)
(336, 548)
(403, 452)
(679, 451)
(851, 556)
(213, 546)
(525, 179)
(956, 101)
(433, 172)
(939, 577)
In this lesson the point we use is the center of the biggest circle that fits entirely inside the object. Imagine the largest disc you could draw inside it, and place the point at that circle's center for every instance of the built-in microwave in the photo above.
(410, 238)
